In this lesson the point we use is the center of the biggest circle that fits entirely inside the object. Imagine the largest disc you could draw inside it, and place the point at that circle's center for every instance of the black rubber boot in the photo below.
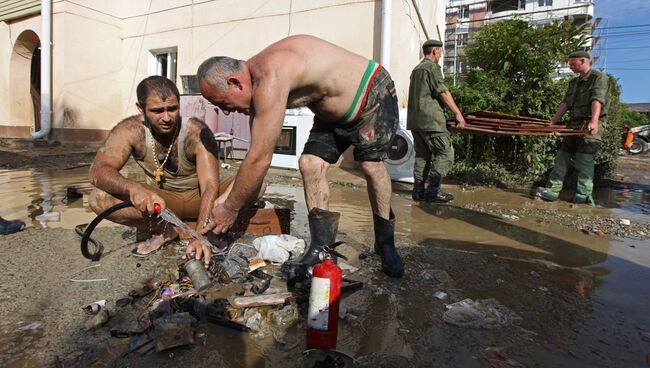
(418, 190)
(435, 194)
(323, 226)
(391, 263)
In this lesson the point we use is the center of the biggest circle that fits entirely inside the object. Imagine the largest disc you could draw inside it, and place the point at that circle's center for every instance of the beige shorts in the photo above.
(187, 204)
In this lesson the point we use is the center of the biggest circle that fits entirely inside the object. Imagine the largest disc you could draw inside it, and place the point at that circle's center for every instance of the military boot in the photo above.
(391, 263)
(545, 193)
(435, 194)
(418, 190)
(580, 199)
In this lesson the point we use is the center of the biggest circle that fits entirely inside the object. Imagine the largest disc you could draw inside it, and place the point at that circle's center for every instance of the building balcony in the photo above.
(580, 11)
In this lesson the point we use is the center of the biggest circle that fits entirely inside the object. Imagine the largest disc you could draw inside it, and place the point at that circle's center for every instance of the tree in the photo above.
(513, 69)
(524, 58)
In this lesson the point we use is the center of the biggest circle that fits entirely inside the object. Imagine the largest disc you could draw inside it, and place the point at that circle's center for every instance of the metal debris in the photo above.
(494, 123)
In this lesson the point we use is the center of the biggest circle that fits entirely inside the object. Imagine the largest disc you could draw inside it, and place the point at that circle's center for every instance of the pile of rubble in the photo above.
(255, 285)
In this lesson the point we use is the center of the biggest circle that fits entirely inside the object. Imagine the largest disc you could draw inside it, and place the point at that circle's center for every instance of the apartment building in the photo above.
(465, 17)
(100, 50)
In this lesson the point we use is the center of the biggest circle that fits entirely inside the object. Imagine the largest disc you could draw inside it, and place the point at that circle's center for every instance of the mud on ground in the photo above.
(573, 297)
(390, 323)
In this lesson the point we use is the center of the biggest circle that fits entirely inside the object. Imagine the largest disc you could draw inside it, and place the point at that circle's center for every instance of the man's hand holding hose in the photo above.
(145, 200)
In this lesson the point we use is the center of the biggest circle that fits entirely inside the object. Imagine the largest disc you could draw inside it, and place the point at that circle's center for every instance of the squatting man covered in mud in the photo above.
(354, 103)
(179, 159)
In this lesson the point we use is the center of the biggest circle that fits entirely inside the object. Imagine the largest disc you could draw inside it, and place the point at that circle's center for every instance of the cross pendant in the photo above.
(158, 174)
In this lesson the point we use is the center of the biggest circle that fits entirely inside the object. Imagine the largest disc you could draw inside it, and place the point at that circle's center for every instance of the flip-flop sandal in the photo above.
(135, 253)
(153, 248)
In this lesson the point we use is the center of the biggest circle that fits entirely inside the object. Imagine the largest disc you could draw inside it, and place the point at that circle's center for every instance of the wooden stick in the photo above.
(515, 127)
(479, 130)
(260, 300)
(507, 121)
(509, 116)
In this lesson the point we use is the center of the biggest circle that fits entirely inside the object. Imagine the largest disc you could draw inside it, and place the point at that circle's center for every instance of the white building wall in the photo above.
(87, 68)
(6, 49)
(101, 49)
(17, 105)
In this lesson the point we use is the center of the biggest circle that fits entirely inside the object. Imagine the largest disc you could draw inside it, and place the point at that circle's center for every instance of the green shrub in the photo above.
(513, 71)
(632, 118)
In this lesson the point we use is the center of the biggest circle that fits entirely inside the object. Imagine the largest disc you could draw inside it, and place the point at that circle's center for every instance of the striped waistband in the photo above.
(362, 92)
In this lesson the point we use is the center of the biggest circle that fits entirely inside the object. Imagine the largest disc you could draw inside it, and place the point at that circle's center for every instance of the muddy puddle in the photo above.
(573, 298)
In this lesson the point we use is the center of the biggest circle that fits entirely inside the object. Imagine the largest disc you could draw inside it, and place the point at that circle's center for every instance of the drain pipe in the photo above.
(384, 56)
(46, 70)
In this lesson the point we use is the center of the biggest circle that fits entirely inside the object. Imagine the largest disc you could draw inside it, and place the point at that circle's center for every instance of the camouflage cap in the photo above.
(432, 43)
(579, 54)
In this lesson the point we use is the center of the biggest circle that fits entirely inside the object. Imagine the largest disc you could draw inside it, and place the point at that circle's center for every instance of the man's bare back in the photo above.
(318, 74)
(355, 104)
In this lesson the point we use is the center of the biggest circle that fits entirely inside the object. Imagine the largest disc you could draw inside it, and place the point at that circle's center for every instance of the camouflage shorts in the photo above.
(371, 134)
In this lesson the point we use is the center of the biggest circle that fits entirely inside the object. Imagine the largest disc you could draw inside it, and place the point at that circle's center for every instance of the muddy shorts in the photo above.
(371, 132)
(187, 204)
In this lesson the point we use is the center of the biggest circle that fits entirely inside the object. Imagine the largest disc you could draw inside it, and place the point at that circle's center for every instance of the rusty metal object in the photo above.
(173, 330)
(198, 274)
(495, 123)
(255, 221)
(263, 221)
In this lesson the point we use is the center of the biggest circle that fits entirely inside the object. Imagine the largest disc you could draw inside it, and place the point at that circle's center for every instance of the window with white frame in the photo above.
(462, 39)
(461, 67)
(498, 6)
(463, 12)
(545, 2)
(163, 62)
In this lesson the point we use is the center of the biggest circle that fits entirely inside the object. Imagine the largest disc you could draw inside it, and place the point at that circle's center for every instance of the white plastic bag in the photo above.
(278, 248)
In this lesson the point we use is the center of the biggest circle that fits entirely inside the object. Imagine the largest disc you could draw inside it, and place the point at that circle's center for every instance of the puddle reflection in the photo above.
(28, 194)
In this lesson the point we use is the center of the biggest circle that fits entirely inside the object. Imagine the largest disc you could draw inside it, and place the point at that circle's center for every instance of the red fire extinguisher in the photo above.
(324, 297)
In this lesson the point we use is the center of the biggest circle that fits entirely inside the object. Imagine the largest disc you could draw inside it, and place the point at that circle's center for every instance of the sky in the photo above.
(625, 52)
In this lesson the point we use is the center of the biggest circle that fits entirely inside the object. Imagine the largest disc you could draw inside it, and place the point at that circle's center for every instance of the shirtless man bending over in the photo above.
(354, 103)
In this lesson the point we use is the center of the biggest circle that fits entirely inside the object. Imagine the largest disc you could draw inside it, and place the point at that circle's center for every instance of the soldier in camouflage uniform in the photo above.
(434, 153)
(587, 101)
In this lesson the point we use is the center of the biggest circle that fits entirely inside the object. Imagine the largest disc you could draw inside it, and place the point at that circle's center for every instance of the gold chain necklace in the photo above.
(159, 172)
